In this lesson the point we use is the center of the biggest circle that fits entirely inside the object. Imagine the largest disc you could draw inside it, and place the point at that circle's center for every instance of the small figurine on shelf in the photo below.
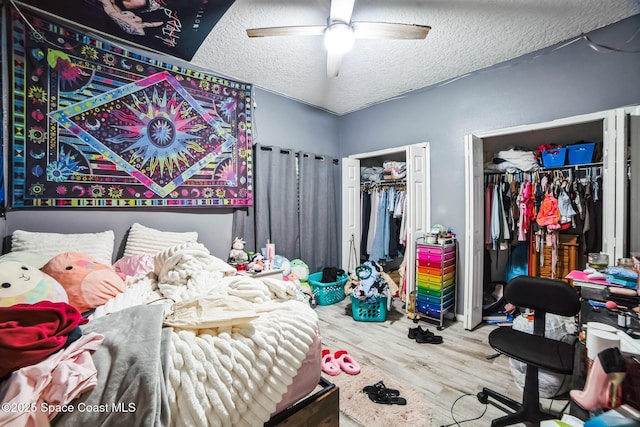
(237, 255)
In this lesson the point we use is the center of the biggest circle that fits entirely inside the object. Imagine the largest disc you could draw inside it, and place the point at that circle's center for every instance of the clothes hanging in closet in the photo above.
(383, 222)
(512, 201)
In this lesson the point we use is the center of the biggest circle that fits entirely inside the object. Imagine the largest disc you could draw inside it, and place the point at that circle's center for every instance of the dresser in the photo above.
(568, 258)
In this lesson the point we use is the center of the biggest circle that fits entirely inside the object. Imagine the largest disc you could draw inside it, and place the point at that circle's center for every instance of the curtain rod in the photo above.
(297, 154)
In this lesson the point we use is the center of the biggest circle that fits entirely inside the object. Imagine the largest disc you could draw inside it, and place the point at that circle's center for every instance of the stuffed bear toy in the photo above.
(88, 283)
(21, 283)
(237, 254)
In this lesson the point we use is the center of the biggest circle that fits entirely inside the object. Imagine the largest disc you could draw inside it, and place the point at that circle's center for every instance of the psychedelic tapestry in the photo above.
(2, 139)
(94, 125)
(174, 27)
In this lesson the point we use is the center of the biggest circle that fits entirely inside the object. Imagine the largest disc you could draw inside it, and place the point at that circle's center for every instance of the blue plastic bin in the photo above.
(365, 311)
(327, 293)
(580, 154)
(554, 157)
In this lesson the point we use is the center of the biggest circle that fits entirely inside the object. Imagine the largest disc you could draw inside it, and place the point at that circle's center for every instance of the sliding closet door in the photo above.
(350, 213)
(474, 237)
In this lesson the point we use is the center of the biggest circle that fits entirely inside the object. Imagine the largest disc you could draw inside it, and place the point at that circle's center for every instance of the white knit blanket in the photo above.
(233, 375)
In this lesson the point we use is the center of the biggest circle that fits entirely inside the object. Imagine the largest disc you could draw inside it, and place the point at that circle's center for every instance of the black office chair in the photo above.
(537, 352)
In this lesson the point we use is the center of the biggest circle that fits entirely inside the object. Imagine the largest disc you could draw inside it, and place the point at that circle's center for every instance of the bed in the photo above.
(188, 342)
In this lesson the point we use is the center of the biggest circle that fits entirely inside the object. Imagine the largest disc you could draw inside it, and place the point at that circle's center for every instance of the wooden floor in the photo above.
(444, 372)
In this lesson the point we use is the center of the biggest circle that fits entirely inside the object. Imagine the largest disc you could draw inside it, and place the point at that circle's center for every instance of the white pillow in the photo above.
(145, 240)
(98, 245)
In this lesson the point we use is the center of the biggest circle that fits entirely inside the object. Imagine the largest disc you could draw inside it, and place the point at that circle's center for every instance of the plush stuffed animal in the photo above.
(371, 283)
(88, 283)
(237, 253)
(300, 269)
(21, 283)
(281, 263)
(256, 265)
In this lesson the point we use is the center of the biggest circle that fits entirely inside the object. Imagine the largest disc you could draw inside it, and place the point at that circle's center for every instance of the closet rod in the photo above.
(542, 170)
(372, 184)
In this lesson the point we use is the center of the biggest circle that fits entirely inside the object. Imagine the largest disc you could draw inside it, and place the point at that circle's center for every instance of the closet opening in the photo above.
(385, 208)
(520, 245)
(383, 180)
(585, 188)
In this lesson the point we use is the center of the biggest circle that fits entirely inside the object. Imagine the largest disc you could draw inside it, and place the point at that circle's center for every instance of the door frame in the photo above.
(418, 189)
(473, 254)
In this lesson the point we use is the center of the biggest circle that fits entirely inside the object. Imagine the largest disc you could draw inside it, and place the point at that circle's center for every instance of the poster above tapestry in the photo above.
(94, 125)
(174, 27)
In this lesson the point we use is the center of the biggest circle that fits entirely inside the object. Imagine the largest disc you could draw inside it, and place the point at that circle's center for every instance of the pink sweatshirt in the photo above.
(36, 391)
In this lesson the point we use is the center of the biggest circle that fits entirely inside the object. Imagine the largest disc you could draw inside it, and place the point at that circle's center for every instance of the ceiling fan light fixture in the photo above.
(338, 37)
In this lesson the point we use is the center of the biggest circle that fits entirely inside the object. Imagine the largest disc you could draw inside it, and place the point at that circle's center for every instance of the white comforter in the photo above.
(232, 375)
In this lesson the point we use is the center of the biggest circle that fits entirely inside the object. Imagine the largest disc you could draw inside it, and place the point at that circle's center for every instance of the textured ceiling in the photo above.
(466, 35)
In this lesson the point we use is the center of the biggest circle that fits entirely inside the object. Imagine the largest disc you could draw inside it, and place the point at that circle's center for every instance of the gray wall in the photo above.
(276, 121)
(535, 88)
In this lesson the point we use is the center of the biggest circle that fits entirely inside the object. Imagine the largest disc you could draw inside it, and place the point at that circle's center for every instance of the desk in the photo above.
(627, 343)
(601, 290)
(581, 279)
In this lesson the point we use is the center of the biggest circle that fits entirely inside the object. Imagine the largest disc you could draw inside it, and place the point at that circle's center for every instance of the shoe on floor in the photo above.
(346, 362)
(386, 398)
(329, 364)
(379, 387)
(428, 337)
(413, 332)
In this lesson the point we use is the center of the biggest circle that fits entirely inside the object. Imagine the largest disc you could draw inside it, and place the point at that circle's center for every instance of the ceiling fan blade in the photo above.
(333, 63)
(341, 10)
(309, 30)
(388, 30)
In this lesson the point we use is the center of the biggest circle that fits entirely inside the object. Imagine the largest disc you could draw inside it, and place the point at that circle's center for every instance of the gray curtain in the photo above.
(318, 211)
(274, 215)
(296, 210)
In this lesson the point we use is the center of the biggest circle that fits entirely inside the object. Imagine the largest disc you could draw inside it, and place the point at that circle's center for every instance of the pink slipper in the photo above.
(329, 365)
(346, 362)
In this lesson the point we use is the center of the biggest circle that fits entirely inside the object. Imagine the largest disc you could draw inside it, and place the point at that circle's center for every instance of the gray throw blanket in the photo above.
(131, 365)
(234, 374)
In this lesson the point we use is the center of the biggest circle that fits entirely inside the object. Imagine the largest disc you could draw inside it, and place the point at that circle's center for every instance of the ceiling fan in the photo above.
(339, 32)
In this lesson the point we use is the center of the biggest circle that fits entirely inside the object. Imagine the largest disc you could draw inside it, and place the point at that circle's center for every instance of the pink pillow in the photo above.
(88, 283)
(135, 265)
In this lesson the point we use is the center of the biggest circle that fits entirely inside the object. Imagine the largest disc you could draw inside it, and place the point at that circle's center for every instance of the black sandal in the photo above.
(388, 399)
(379, 387)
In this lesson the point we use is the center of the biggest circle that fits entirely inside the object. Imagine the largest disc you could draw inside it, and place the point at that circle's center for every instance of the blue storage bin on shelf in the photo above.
(330, 292)
(580, 154)
(554, 157)
(365, 311)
